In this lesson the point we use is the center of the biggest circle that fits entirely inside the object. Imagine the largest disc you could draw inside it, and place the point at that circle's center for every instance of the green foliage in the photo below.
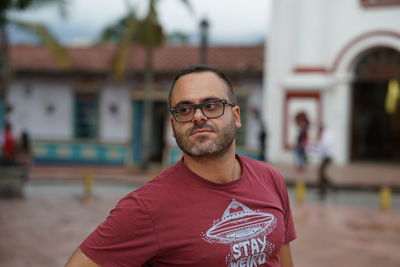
(114, 33)
(146, 31)
(121, 54)
(20, 5)
(60, 54)
(178, 38)
(150, 30)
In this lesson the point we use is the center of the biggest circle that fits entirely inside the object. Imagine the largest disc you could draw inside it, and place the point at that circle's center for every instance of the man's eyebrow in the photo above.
(211, 98)
(181, 103)
(187, 102)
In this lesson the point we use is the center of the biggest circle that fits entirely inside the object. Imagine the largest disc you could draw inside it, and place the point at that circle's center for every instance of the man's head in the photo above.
(205, 112)
(204, 68)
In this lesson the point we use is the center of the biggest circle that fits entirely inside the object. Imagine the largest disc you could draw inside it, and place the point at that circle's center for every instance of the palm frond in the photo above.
(151, 33)
(188, 6)
(120, 58)
(147, 31)
(59, 53)
(29, 4)
(178, 37)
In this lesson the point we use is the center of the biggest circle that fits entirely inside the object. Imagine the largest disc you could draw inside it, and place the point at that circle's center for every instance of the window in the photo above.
(86, 115)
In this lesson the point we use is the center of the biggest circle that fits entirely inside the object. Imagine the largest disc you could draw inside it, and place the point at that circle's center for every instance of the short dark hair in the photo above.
(204, 68)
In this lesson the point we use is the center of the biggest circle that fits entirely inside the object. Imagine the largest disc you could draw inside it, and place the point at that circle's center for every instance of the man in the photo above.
(212, 208)
(324, 148)
(303, 124)
(8, 145)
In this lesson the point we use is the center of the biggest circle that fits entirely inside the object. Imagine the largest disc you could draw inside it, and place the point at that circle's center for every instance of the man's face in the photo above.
(202, 137)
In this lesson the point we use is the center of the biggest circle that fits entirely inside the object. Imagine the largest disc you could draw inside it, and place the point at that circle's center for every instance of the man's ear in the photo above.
(171, 120)
(236, 115)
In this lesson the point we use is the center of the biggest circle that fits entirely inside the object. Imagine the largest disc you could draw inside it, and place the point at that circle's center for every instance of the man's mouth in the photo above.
(200, 130)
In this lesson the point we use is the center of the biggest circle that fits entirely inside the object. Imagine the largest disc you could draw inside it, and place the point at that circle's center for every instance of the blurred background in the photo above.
(84, 114)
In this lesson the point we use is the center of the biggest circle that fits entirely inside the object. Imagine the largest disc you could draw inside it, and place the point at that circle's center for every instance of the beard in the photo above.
(204, 147)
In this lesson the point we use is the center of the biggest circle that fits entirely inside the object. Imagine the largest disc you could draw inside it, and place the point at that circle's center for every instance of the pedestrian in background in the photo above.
(8, 147)
(262, 134)
(24, 150)
(302, 124)
(324, 148)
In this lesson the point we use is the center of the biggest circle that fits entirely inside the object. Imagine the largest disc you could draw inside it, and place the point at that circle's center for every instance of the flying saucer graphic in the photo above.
(240, 223)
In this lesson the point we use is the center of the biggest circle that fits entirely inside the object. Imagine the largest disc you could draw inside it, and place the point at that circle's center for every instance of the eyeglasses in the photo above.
(211, 109)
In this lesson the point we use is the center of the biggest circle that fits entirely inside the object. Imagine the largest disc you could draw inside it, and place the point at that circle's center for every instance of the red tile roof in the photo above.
(166, 59)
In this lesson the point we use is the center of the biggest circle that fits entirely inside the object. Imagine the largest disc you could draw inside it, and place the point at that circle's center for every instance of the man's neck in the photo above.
(223, 169)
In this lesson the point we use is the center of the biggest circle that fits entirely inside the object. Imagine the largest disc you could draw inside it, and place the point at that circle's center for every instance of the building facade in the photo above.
(334, 60)
(80, 115)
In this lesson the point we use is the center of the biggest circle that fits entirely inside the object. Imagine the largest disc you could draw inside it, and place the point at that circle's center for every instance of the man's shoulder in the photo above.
(155, 196)
(162, 181)
(168, 174)
(262, 170)
(254, 163)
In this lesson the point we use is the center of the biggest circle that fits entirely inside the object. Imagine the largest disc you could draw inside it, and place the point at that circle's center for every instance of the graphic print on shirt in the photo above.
(246, 232)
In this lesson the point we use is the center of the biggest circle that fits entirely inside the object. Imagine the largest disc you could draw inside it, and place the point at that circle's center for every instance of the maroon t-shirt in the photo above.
(181, 219)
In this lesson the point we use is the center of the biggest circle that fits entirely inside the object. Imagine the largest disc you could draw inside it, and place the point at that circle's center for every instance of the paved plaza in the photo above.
(44, 227)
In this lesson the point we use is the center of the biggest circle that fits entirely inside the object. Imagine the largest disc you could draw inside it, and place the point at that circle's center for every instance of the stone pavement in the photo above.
(338, 236)
(100, 173)
(352, 176)
(45, 227)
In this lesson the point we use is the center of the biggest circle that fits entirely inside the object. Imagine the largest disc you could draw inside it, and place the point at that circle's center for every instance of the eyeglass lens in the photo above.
(210, 110)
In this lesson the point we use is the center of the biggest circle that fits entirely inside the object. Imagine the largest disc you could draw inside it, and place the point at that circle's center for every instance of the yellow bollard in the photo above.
(88, 180)
(300, 191)
(385, 198)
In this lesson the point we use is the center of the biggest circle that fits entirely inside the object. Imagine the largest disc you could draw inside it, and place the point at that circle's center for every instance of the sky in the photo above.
(232, 22)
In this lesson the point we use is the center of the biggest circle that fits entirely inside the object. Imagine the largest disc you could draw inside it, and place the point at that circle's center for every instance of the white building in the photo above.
(79, 115)
(333, 60)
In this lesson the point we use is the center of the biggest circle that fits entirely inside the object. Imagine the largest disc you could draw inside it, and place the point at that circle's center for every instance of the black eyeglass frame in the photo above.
(200, 106)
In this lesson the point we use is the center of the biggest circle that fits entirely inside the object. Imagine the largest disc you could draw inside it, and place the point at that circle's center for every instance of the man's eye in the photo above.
(184, 110)
(210, 106)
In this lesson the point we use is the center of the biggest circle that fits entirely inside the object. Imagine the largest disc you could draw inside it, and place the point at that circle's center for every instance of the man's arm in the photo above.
(78, 259)
(285, 256)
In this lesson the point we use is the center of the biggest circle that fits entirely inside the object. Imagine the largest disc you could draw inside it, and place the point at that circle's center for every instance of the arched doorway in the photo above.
(375, 132)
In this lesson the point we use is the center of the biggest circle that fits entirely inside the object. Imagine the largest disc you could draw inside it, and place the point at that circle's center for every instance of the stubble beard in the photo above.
(204, 147)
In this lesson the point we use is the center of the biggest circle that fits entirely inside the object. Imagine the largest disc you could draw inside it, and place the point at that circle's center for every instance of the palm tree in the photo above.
(178, 38)
(41, 31)
(149, 33)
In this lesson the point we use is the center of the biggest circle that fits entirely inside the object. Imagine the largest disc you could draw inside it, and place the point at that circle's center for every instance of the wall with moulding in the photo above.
(44, 108)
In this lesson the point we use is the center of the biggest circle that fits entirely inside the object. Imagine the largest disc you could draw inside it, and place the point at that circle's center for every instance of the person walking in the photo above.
(303, 124)
(262, 134)
(324, 148)
(8, 145)
(212, 208)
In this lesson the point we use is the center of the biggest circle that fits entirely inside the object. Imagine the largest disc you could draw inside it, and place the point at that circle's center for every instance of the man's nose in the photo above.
(198, 115)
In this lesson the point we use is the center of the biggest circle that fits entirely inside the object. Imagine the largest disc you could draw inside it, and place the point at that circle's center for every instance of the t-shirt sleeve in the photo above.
(125, 238)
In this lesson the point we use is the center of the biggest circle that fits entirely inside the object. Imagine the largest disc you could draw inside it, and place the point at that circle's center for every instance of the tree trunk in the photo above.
(147, 127)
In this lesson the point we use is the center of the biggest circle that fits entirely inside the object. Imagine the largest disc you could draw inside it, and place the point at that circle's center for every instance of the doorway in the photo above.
(375, 132)
(160, 113)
